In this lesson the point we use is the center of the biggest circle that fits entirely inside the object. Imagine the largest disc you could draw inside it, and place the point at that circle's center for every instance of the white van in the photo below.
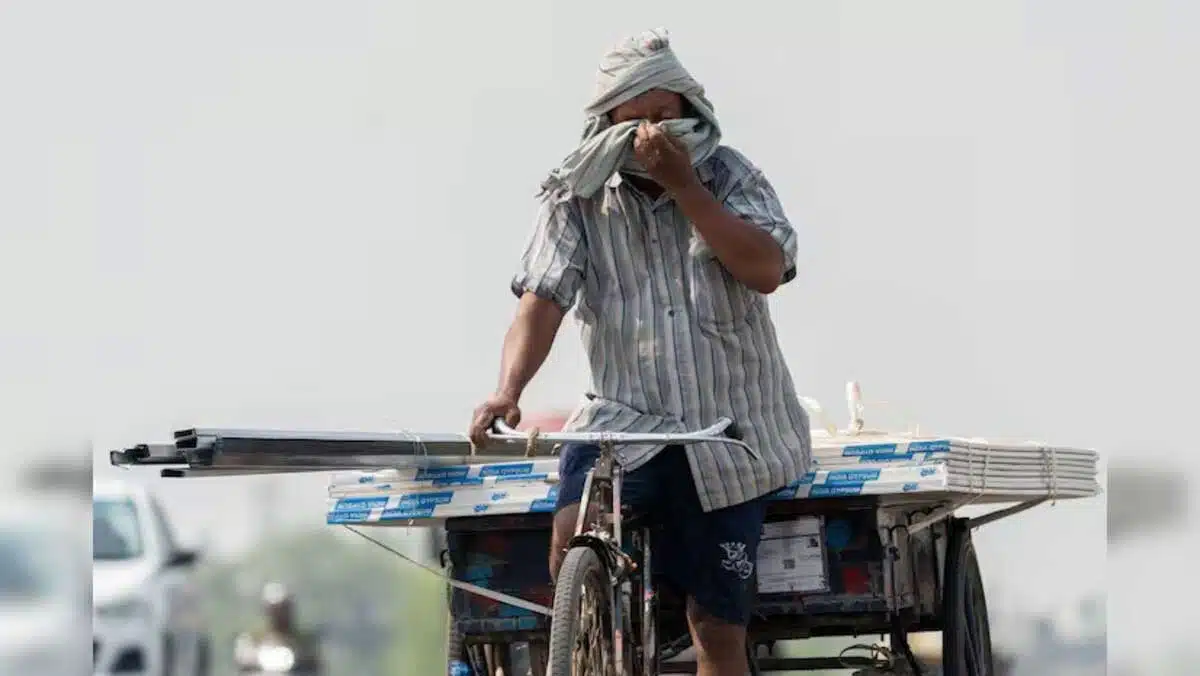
(43, 586)
(147, 615)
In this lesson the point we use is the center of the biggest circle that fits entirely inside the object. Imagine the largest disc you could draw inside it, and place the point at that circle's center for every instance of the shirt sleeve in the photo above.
(555, 257)
(754, 200)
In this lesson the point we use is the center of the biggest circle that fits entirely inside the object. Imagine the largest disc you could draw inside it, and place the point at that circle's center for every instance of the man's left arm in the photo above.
(747, 231)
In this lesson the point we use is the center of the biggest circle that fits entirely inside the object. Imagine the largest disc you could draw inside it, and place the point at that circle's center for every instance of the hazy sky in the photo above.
(305, 214)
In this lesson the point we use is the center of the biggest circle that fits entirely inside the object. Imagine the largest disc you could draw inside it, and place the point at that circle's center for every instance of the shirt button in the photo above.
(670, 313)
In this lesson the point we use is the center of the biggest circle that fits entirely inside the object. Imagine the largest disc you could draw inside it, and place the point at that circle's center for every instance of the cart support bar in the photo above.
(1001, 513)
(946, 511)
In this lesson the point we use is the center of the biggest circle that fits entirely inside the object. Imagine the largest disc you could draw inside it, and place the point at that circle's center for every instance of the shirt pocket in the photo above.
(720, 303)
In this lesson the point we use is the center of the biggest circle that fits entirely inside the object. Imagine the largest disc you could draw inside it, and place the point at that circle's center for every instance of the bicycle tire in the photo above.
(458, 663)
(964, 609)
(581, 570)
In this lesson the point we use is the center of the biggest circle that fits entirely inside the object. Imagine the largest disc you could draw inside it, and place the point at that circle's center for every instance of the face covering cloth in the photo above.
(634, 67)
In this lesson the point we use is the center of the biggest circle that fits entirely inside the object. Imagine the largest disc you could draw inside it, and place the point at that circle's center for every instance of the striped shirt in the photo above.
(673, 340)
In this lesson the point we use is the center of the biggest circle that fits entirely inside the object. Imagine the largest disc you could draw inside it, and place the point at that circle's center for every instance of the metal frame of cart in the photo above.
(894, 564)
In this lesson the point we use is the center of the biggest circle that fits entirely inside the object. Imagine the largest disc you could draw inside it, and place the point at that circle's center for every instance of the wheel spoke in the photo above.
(591, 654)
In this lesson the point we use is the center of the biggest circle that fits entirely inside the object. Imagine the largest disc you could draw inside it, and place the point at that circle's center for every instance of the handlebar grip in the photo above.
(499, 426)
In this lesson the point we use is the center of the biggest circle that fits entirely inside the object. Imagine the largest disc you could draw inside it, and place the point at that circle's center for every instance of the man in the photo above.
(672, 242)
(280, 632)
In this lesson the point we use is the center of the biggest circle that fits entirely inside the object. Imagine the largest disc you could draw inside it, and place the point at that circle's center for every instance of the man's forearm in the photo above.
(751, 255)
(527, 343)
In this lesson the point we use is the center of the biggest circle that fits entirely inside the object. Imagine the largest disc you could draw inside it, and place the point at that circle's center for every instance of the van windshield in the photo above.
(116, 532)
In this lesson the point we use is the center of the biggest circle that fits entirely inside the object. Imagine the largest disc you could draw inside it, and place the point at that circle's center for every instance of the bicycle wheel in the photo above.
(966, 637)
(581, 637)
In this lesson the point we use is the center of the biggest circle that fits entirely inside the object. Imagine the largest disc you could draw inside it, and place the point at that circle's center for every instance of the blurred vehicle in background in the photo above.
(43, 587)
(1145, 501)
(147, 616)
(280, 647)
(67, 478)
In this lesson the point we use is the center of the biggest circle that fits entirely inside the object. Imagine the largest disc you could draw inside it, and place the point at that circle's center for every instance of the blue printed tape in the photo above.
(546, 505)
(824, 491)
(410, 512)
(839, 477)
(443, 473)
(355, 504)
(421, 500)
(348, 517)
(507, 469)
(895, 451)
(459, 472)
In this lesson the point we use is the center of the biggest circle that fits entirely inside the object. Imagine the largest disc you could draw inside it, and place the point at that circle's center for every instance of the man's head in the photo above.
(638, 80)
(277, 602)
(641, 78)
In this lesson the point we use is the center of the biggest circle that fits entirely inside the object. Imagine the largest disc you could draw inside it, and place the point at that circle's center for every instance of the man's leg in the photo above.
(639, 489)
(720, 645)
(711, 556)
(560, 534)
(574, 461)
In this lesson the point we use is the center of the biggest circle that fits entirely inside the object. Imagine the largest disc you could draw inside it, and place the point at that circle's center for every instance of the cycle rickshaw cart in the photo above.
(866, 544)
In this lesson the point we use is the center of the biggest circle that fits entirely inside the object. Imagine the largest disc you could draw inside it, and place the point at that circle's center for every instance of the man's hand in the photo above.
(498, 406)
(664, 157)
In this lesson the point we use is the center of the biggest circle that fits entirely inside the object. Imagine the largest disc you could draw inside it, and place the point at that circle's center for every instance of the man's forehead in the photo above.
(654, 95)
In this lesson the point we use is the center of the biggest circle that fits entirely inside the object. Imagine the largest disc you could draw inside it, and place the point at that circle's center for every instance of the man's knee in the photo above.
(717, 639)
(560, 534)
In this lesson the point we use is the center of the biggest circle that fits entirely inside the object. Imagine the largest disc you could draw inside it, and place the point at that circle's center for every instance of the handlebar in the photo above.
(723, 431)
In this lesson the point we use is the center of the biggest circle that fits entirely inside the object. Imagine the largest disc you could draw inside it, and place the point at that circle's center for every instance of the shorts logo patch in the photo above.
(736, 559)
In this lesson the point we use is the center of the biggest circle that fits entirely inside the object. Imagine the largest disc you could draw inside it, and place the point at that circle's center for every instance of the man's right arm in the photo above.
(551, 274)
(527, 343)
(526, 346)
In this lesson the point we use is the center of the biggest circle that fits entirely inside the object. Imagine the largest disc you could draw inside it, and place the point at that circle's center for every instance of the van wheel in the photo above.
(203, 657)
(167, 665)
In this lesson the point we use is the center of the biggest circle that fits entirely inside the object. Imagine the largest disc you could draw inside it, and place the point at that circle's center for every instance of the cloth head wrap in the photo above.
(632, 68)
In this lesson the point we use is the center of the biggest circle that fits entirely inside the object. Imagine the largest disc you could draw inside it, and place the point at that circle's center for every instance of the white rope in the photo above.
(459, 584)
(417, 441)
(1050, 468)
(424, 453)
(855, 404)
(1053, 476)
(982, 491)
(816, 411)
(531, 442)
(884, 658)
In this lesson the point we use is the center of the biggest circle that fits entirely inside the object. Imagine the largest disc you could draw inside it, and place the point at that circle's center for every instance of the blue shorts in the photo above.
(710, 556)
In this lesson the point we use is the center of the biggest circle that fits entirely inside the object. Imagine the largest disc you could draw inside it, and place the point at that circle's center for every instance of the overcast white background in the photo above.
(305, 214)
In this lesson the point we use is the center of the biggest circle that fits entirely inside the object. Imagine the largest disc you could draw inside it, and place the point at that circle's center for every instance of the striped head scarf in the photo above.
(632, 68)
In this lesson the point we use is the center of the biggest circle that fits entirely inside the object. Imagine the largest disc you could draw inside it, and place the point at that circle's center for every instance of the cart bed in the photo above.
(842, 585)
